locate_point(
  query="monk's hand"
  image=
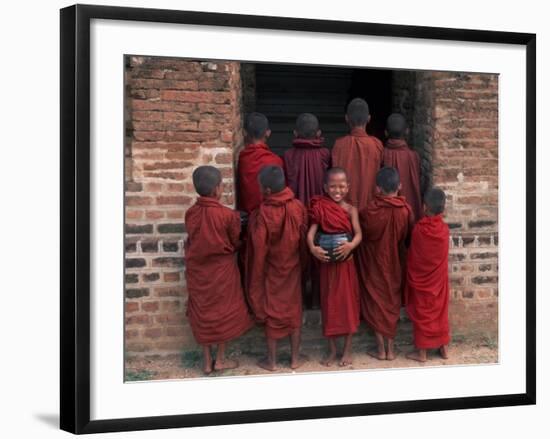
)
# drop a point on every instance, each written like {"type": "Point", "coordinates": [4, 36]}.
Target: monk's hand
{"type": "Point", "coordinates": [320, 253]}
{"type": "Point", "coordinates": [343, 250]}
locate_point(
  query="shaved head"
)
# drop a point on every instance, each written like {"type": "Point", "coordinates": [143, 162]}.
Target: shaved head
{"type": "Point", "coordinates": [307, 126]}
{"type": "Point", "coordinates": [434, 199]}
{"type": "Point", "coordinates": [396, 126]}
{"type": "Point", "coordinates": [358, 112]}
{"type": "Point", "coordinates": [335, 171]}
{"type": "Point", "coordinates": [206, 179]}
{"type": "Point", "coordinates": [256, 125]}
{"type": "Point", "coordinates": [273, 178]}
{"type": "Point", "coordinates": [387, 180]}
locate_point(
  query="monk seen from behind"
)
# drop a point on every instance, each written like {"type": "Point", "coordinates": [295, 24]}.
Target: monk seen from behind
{"type": "Point", "coordinates": [386, 223]}
{"type": "Point", "coordinates": [359, 154]}
{"type": "Point", "coordinates": [275, 254]}
{"type": "Point", "coordinates": [255, 155]}
{"type": "Point", "coordinates": [427, 283]}
{"type": "Point", "coordinates": [333, 235]}
{"type": "Point", "coordinates": [398, 155]}
{"type": "Point", "coordinates": [216, 307]}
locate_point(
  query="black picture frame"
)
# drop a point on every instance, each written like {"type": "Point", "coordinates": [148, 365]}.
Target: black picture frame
{"type": "Point", "coordinates": [75, 217]}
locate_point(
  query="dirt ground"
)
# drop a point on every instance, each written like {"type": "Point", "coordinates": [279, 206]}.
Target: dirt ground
{"type": "Point", "coordinates": [189, 364]}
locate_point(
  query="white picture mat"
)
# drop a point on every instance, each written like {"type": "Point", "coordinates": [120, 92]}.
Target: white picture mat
{"type": "Point", "coordinates": [111, 398]}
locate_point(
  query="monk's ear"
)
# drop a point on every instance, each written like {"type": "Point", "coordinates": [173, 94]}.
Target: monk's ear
{"type": "Point", "coordinates": [347, 119]}
{"type": "Point", "coordinates": [267, 134]}
{"type": "Point", "coordinates": [318, 134]}
{"type": "Point", "coordinates": [295, 133]}
{"type": "Point", "coordinates": [386, 133]}
{"type": "Point", "coordinates": [368, 120]}
{"type": "Point", "coordinates": [399, 187]}
{"type": "Point", "coordinates": [407, 132]}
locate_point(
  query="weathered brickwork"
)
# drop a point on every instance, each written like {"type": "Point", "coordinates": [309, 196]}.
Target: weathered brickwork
{"type": "Point", "coordinates": [179, 114]}
{"type": "Point", "coordinates": [454, 120]}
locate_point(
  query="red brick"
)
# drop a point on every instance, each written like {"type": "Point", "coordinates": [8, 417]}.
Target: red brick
{"type": "Point", "coordinates": [224, 158]}
{"type": "Point", "coordinates": [171, 277]}
{"type": "Point", "coordinates": [138, 201]}
{"type": "Point", "coordinates": [131, 307]}
{"type": "Point", "coordinates": [134, 214]}
{"type": "Point", "coordinates": [174, 200]}
{"type": "Point", "coordinates": [153, 332]}
{"type": "Point", "coordinates": [149, 306]}
{"type": "Point", "coordinates": [176, 214]}
{"type": "Point", "coordinates": [155, 214]}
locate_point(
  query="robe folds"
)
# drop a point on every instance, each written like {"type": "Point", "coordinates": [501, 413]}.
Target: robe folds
{"type": "Point", "coordinates": [276, 251]}
{"type": "Point", "coordinates": [427, 283]}
{"type": "Point", "coordinates": [398, 155]}
{"type": "Point", "coordinates": [251, 160]}
{"type": "Point", "coordinates": [385, 224]}
{"type": "Point", "coordinates": [216, 307]}
{"type": "Point", "coordinates": [339, 289]}
{"type": "Point", "coordinates": [305, 165]}
{"type": "Point", "coordinates": [361, 156]}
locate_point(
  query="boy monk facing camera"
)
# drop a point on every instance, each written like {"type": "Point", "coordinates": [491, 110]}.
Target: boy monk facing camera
{"type": "Point", "coordinates": [331, 215]}
{"type": "Point", "coordinates": [275, 254]}
{"type": "Point", "coordinates": [427, 285]}
{"type": "Point", "coordinates": [359, 154]}
{"type": "Point", "coordinates": [386, 223]}
{"type": "Point", "coordinates": [216, 306]}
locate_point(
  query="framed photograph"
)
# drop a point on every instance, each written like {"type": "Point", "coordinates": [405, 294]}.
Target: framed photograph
{"type": "Point", "coordinates": [213, 164]}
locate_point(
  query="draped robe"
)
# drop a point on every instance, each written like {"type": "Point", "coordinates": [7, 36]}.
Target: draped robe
{"type": "Point", "coordinates": [339, 289]}
{"type": "Point", "coordinates": [385, 224]}
{"type": "Point", "coordinates": [398, 155]}
{"type": "Point", "coordinates": [216, 306]}
{"type": "Point", "coordinates": [361, 156]}
{"type": "Point", "coordinates": [276, 251]}
{"type": "Point", "coordinates": [427, 283]}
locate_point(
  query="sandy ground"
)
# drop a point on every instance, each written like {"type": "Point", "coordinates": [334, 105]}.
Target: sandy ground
{"type": "Point", "coordinates": [189, 364]}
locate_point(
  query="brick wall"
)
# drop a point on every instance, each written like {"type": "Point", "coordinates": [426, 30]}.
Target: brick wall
{"type": "Point", "coordinates": [454, 120]}
{"type": "Point", "coordinates": [179, 114]}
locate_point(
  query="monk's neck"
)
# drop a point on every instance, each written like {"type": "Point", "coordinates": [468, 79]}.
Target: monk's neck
{"type": "Point", "coordinates": [256, 143]}
{"type": "Point", "coordinates": [359, 131]}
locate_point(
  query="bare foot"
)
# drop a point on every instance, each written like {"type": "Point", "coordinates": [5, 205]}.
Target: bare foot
{"type": "Point", "coordinates": [226, 364]}
{"type": "Point", "coordinates": [377, 353]}
{"type": "Point", "coordinates": [295, 363]}
{"type": "Point", "coordinates": [443, 351]}
{"type": "Point", "coordinates": [390, 356]}
{"type": "Point", "coordinates": [417, 356]}
{"type": "Point", "coordinates": [345, 360]}
{"type": "Point", "coordinates": [329, 360]}
{"type": "Point", "coordinates": [207, 369]}
{"type": "Point", "coordinates": [267, 365]}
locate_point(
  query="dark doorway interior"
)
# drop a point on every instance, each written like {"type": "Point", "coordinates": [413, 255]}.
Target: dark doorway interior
{"type": "Point", "coordinates": [282, 92]}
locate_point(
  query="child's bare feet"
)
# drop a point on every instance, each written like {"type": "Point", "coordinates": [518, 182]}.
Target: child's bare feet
{"type": "Point", "coordinates": [225, 364]}
{"type": "Point", "coordinates": [418, 355]}
{"type": "Point", "coordinates": [330, 359]}
{"type": "Point", "coordinates": [390, 352]}
{"type": "Point", "coordinates": [378, 353]}
{"type": "Point", "coordinates": [443, 351]}
{"type": "Point", "coordinates": [346, 360]}
{"type": "Point", "coordinates": [207, 369]}
{"type": "Point", "coordinates": [295, 363]}
{"type": "Point", "coordinates": [267, 365]}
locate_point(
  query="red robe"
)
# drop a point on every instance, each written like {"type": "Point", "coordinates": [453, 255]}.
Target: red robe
{"type": "Point", "coordinates": [251, 160]}
{"type": "Point", "coordinates": [216, 306]}
{"type": "Point", "coordinates": [385, 224]}
{"type": "Point", "coordinates": [361, 156]}
{"type": "Point", "coordinates": [305, 166]}
{"type": "Point", "coordinates": [398, 155]}
{"type": "Point", "coordinates": [275, 254]}
{"type": "Point", "coordinates": [427, 284]}
{"type": "Point", "coordinates": [339, 286]}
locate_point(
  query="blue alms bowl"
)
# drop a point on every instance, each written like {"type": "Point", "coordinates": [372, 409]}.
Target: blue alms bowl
{"type": "Point", "coordinates": [330, 241]}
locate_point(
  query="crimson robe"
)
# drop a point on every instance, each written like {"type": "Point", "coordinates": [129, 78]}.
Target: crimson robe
{"type": "Point", "coordinates": [427, 283]}
{"type": "Point", "coordinates": [398, 155]}
{"type": "Point", "coordinates": [338, 280]}
{"type": "Point", "coordinates": [216, 306]}
{"type": "Point", "coordinates": [385, 224]}
{"type": "Point", "coordinates": [251, 160]}
{"type": "Point", "coordinates": [305, 166]}
{"type": "Point", "coordinates": [275, 253]}
{"type": "Point", "coordinates": [361, 156]}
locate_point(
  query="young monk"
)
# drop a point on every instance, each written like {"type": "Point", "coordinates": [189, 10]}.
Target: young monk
{"type": "Point", "coordinates": [398, 155]}
{"type": "Point", "coordinates": [307, 161]}
{"type": "Point", "coordinates": [275, 253]}
{"type": "Point", "coordinates": [305, 164]}
{"type": "Point", "coordinates": [252, 158]}
{"type": "Point", "coordinates": [216, 306]}
{"type": "Point", "coordinates": [331, 214]}
{"type": "Point", "coordinates": [385, 223]}
{"type": "Point", "coordinates": [427, 285]}
{"type": "Point", "coordinates": [359, 154]}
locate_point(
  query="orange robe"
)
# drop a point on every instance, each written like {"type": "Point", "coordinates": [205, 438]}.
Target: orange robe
{"type": "Point", "coordinates": [398, 155]}
{"type": "Point", "coordinates": [251, 160]}
{"type": "Point", "coordinates": [338, 280]}
{"type": "Point", "coordinates": [385, 224]}
{"type": "Point", "coordinates": [276, 250]}
{"type": "Point", "coordinates": [427, 283]}
{"type": "Point", "coordinates": [361, 156]}
{"type": "Point", "coordinates": [216, 306]}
